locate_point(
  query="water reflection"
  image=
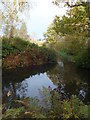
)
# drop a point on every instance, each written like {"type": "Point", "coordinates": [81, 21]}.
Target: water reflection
{"type": "Point", "coordinates": [34, 84]}
{"type": "Point", "coordinates": [64, 78]}
{"type": "Point", "coordinates": [20, 81]}
{"type": "Point", "coordinates": [70, 80]}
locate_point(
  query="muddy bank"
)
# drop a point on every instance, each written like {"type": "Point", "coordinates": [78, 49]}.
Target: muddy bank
{"type": "Point", "coordinates": [23, 60]}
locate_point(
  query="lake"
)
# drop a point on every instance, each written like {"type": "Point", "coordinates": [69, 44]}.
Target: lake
{"type": "Point", "coordinates": [28, 81]}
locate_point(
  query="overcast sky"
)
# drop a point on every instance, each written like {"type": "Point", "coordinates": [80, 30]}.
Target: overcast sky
{"type": "Point", "coordinates": [41, 15]}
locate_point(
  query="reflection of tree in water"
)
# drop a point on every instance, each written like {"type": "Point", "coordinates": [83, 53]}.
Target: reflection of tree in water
{"type": "Point", "coordinates": [68, 77]}
{"type": "Point", "coordinates": [13, 84]}
{"type": "Point", "coordinates": [22, 89]}
{"type": "Point", "coordinates": [10, 93]}
{"type": "Point", "coordinates": [20, 74]}
{"type": "Point", "coordinates": [11, 88]}
{"type": "Point", "coordinates": [14, 93]}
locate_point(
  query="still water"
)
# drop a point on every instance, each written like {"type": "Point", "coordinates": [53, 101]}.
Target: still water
{"type": "Point", "coordinates": [28, 81]}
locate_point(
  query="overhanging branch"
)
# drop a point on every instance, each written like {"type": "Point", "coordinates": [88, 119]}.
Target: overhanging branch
{"type": "Point", "coordinates": [75, 5]}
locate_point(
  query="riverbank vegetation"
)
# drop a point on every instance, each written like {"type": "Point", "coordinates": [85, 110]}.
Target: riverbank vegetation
{"type": "Point", "coordinates": [69, 35]}
{"type": "Point", "coordinates": [16, 52]}
{"type": "Point", "coordinates": [71, 108]}
{"type": "Point", "coordinates": [66, 38]}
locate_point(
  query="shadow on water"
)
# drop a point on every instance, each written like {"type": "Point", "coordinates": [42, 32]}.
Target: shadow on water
{"type": "Point", "coordinates": [67, 78]}
{"type": "Point", "coordinates": [13, 79]}
{"type": "Point", "coordinates": [73, 80]}
{"type": "Point", "coordinates": [19, 74]}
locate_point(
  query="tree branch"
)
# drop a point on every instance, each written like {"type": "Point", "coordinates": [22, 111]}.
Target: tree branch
{"type": "Point", "coordinates": [76, 5]}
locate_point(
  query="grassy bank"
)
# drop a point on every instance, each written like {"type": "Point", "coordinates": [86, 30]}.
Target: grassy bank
{"type": "Point", "coordinates": [17, 52]}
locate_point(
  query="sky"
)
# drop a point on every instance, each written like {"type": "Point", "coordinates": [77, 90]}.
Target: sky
{"type": "Point", "coordinates": [41, 16]}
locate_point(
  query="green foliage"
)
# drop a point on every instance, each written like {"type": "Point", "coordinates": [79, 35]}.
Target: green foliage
{"type": "Point", "coordinates": [46, 97]}
{"type": "Point", "coordinates": [14, 46]}
{"type": "Point", "coordinates": [26, 53]}
{"type": "Point", "coordinates": [69, 35]}
{"type": "Point", "coordinates": [49, 54]}
{"type": "Point", "coordinates": [14, 113]}
{"type": "Point", "coordinates": [51, 106]}
{"type": "Point", "coordinates": [50, 35]}
{"type": "Point", "coordinates": [83, 58]}
{"type": "Point", "coordinates": [64, 108]}
{"type": "Point", "coordinates": [26, 108]}
{"type": "Point", "coordinates": [64, 55]}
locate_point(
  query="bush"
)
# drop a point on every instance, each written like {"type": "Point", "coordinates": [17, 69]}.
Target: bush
{"type": "Point", "coordinates": [14, 113]}
{"type": "Point", "coordinates": [15, 45]}
{"type": "Point", "coordinates": [83, 58]}
{"type": "Point", "coordinates": [53, 107]}
{"type": "Point", "coordinates": [49, 54]}
{"type": "Point", "coordinates": [25, 53]}
{"type": "Point", "coordinates": [72, 108]}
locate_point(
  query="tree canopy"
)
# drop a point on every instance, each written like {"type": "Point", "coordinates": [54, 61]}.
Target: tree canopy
{"type": "Point", "coordinates": [11, 11]}
{"type": "Point", "coordinates": [71, 31]}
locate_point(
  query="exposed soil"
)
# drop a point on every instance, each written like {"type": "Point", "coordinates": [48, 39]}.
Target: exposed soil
{"type": "Point", "coordinates": [22, 60]}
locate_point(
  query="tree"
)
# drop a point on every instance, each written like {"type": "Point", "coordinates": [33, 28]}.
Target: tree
{"type": "Point", "coordinates": [22, 31]}
{"type": "Point", "coordinates": [11, 11]}
{"type": "Point", "coordinates": [69, 3]}
{"type": "Point", "coordinates": [75, 28]}
{"type": "Point", "coordinates": [75, 23]}
{"type": "Point", "coordinates": [51, 35]}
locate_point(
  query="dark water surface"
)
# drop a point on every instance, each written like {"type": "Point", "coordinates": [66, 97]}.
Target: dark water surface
{"type": "Point", "coordinates": [26, 82]}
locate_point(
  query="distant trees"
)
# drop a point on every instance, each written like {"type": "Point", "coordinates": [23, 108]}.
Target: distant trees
{"type": "Point", "coordinates": [22, 32]}
{"type": "Point", "coordinates": [11, 11]}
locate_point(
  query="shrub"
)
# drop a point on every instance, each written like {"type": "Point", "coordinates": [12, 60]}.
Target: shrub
{"type": "Point", "coordinates": [72, 108]}
{"type": "Point", "coordinates": [49, 54]}
{"type": "Point", "coordinates": [26, 53]}
{"type": "Point", "coordinates": [53, 107]}
{"type": "Point", "coordinates": [15, 45]}
{"type": "Point", "coordinates": [83, 58]}
{"type": "Point", "coordinates": [14, 113]}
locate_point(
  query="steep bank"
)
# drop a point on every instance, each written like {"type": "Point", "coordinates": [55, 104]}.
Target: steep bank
{"type": "Point", "coordinates": [20, 53]}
